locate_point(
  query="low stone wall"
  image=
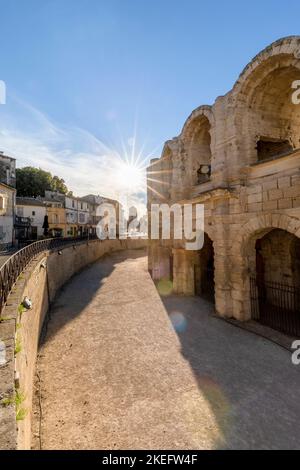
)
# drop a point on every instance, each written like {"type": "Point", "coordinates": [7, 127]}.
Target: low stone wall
{"type": "Point", "coordinates": [20, 330]}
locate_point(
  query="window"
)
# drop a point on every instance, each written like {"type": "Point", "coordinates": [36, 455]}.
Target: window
{"type": "Point", "coordinates": [203, 173]}
{"type": "Point", "coordinates": [272, 148]}
{"type": "Point", "coordinates": [33, 212]}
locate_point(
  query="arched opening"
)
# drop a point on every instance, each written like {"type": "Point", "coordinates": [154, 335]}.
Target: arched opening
{"type": "Point", "coordinates": [199, 150]}
{"type": "Point", "coordinates": [275, 280]}
{"type": "Point", "coordinates": [272, 123]}
{"type": "Point", "coordinates": [204, 271]}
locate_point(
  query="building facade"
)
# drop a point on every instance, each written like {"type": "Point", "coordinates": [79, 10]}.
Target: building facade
{"type": "Point", "coordinates": [7, 205]}
{"type": "Point", "coordinates": [7, 170]}
{"type": "Point", "coordinates": [56, 217]}
{"type": "Point", "coordinates": [67, 215]}
{"type": "Point", "coordinates": [240, 158]}
{"type": "Point", "coordinates": [30, 217]}
{"type": "Point", "coordinates": [7, 200]}
{"type": "Point", "coordinates": [94, 202]}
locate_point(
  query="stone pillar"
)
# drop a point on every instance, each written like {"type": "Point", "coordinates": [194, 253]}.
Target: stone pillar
{"type": "Point", "coordinates": [223, 300]}
{"type": "Point", "coordinates": [160, 262]}
{"type": "Point", "coordinates": [183, 271]}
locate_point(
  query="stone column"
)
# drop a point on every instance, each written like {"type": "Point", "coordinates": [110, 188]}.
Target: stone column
{"type": "Point", "coordinates": [160, 262]}
{"type": "Point", "coordinates": [183, 271]}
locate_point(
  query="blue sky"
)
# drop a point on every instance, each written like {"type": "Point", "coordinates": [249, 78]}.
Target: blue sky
{"type": "Point", "coordinates": [82, 75]}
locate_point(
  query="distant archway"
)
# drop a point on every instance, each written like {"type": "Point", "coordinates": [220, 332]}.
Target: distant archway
{"type": "Point", "coordinates": [204, 271]}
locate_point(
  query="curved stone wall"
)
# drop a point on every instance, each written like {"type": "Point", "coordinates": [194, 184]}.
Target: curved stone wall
{"type": "Point", "coordinates": [20, 330]}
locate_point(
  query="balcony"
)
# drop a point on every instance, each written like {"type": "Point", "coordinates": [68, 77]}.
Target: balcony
{"type": "Point", "coordinates": [22, 221]}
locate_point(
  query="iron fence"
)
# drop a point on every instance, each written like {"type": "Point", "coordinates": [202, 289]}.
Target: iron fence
{"type": "Point", "coordinates": [276, 305]}
{"type": "Point", "coordinates": [15, 265]}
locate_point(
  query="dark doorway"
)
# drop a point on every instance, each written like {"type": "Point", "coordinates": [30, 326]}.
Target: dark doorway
{"type": "Point", "coordinates": [204, 271]}
{"type": "Point", "coordinates": [275, 288]}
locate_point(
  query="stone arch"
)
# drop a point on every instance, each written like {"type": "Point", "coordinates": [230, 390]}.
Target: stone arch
{"type": "Point", "coordinates": [243, 252]}
{"type": "Point", "coordinates": [266, 222]}
{"type": "Point", "coordinates": [203, 110]}
{"type": "Point", "coordinates": [266, 120]}
{"type": "Point", "coordinates": [198, 139]}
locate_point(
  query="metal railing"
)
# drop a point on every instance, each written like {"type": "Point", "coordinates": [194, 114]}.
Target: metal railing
{"type": "Point", "coordinates": [276, 305]}
{"type": "Point", "coordinates": [22, 221]}
{"type": "Point", "coordinates": [15, 265]}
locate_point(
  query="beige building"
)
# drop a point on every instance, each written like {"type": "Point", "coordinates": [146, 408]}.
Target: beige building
{"type": "Point", "coordinates": [73, 220]}
{"type": "Point", "coordinates": [56, 214]}
{"type": "Point", "coordinates": [94, 202]}
{"type": "Point", "coordinates": [240, 157]}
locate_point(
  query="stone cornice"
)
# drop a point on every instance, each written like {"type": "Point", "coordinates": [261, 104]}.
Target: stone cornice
{"type": "Point", "coordinates": [212, 195]}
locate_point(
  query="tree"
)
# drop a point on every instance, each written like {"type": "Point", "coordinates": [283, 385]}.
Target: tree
{"type": "Point", "coordinates": [33, 182]}
{"type": "Point", "coordinates": [59, 185]}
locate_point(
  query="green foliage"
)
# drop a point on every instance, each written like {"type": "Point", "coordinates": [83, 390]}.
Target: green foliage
{"type": "Point", "coordinates": [18, 346]}
{"type": "Point", "coordinates": [17, 399]}
{"type": "Point", "coordinates": [21, 414]}
{"type": "Point", "coordinates": [8, 401]}
{"type": "Point", "coordinates": [4, 318]}
{"type": "Point", "coordinates": [59, 185]}
{"type": "Point", "coordinates": [33, 182]}
{"type": "Point", "coordinates": [21, 309]}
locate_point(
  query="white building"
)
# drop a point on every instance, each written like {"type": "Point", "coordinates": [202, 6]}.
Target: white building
{"type": "Point", "coordinates": [7, 200]}
{"type": "Point", "coordinates": [7, 203]}
{"type": "Point", "coordinates": [30, 216]}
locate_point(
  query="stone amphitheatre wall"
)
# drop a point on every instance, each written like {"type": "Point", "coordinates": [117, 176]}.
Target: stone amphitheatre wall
{"type": "Point", "coordinates": [20, 329]}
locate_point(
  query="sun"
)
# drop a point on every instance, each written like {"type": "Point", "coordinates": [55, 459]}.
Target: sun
{"type": "Point", "coordinates": [129, 176]}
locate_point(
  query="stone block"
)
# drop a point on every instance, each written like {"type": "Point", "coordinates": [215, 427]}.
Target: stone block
{"type": "Point", "coordinates": [270, 205]}
{"type": "Point", "coordinates": [285, 203]}
{"type": "Point", "coordinates": [275, 194]}
{"type": "Point", "coordinates": [255, 207]}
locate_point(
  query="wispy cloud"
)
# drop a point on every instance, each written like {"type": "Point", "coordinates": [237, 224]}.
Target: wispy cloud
{"type": "Point", "coordinates": [83, 161]}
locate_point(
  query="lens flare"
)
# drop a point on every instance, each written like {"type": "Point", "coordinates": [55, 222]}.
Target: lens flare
{"type": "Point", "coordinates": [165, 287]}
{"type": "Point", "coordinates": [129, 176]}
{"type": "Point", "coordinates": [178, 321]}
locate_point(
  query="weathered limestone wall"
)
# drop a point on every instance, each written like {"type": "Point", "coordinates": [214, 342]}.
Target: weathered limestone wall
{"type": "Point", "coordinates": [21, 330]}
{"type": "Point", "coordinates": [245, 196]}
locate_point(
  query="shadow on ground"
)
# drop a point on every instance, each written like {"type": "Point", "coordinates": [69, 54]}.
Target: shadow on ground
{"type": "Point", "coordinates": [80, 291]}
{"type": "Point", "coordinates": [114, 374]}
{"type": "Point", "coordinates": [251, 384]}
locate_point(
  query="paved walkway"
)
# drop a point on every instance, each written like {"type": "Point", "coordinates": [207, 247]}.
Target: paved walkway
{"type": "Point", "coordinates": [114, 374]}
